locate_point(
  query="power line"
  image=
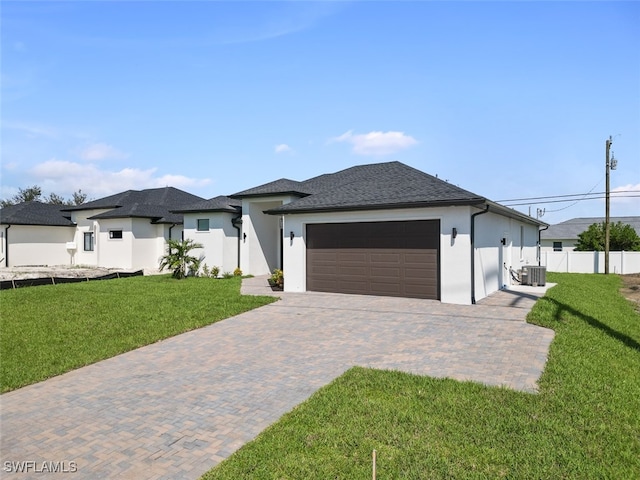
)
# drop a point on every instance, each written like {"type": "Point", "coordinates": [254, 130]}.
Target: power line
{"type": "Point", "coordinates": [594, 196]}
{"type": "Point", "coordinates": [567, 197]}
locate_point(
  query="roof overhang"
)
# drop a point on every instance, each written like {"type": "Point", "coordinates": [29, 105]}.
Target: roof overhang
{"type": "Point", "coordinates": [270, 194]}
{"type": "Point", "coordinates": [511, 213]}
{"type": "Point", "coordinates": [386, 206]}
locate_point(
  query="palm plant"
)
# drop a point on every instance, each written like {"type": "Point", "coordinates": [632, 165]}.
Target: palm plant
{"type": "Point", "coordinates": [178, 260]}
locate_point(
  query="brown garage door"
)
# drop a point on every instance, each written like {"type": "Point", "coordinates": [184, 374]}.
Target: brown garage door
{"type": "Point", "coordinates": [399, 259]}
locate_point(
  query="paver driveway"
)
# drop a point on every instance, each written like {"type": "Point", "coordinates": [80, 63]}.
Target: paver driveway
{"type": "Point", "coordinates": [176, 408]}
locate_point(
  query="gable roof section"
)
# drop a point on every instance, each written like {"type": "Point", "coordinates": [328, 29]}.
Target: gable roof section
{"type": "Point", "coordinates": [220, 203]}
{"type": "Point", "coordinates": [570, 229]}
{"type": "Point", "coordinates": [377, 186]}
{"type": "Point", "coordinates": [283, 186]}
{"type": "Point", "coordinates": [35, 213]}
{"type": "Point", "coordinates": [157, 204]}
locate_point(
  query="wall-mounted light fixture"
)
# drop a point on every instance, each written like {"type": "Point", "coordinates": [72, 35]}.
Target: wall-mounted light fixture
{"type": "Point", "coordinates": [454, 232]}
{"type": "Point", "coordinates": [503, 241]}
{"type": "Point", "coordinates": [244, 236]}
{"type": "Point", "coordinates": [292, 235]}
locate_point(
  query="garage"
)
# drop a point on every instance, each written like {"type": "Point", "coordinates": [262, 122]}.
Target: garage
{"type": "Point", "coordinates": [399, 259]}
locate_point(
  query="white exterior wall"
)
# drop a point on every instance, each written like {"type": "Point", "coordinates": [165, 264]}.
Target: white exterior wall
{"type": "Point", "coordinates": [260, 250]}
{"type": "Point", "coordinates": [84, 225]}
{"type": "Point", "coordinates": [37, 245]}
{"type": "Point", "coordinates": [493, 259]}
{"type": "Point", "coordinates": [115, 252]}
{"type": "Point", "coordinates": [567, 244]}
{"type": "Point", "coordinates": [148, 243]}
{"type": "Point", "coordinates": [220, 242]}
{"type": "Point", "coordinates": [455, 257]}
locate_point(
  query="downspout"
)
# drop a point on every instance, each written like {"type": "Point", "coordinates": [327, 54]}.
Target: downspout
{"type": "Point", "coordinates": [170, 228]}
{"type": "Point", "coordinates": [540, 230]}
{"type": "Point", "coordinates": [473, 254]}
{"type": "Point", "coordinates": [236, 222]}
{"type": "Point", "coordinates": [6, 245]}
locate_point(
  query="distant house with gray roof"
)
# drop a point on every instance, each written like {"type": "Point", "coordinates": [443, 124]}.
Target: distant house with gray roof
{"type": "Point", "coordinates": [128, 230]}
{"type": "Point", "coordinates": [563, 236]}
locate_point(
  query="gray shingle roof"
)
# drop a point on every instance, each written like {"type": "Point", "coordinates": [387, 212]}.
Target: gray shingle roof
{"type": "Point", "coordinates": [220, 203]}
{"type": "Point", "coordinates": [569, 230]}
{"type": "Point", "coordinates": [277, 187]}
{"type": "Point", "coordinates": [35, 213]}
{"type": "Point", "coordinates": [375, 186]}
{"type": "Point", "coordinates": [157, 204]}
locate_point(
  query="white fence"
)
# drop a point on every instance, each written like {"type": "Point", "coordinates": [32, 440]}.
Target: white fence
{"type": "Point", "coordinates": [591, 262]}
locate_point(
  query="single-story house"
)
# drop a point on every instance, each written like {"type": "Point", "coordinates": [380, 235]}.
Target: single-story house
{"type": "Point", "coordinates": [563, 236]}
{"type": "Point", "coordinates": [128, 230]}
{"type": "Point", "coordinates": [379, 229]}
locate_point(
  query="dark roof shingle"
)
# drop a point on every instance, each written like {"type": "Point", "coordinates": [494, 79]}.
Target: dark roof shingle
{"type": "Point", "coordinates": [158, 204]}
{"type": "Point", "coordinates": [220, 203]}
{"type": "Point", "coordinates": [380, 185]}
{"type": "Point", "coordinates": [35, 213]}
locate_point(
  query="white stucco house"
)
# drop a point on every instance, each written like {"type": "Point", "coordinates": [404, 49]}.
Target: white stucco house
{"type": "Point", "coordinates": [563, 237]}
{"type": "Point", "coordinates": [379, 229]}
{"type": "Point", "coordinates": [128, 230]}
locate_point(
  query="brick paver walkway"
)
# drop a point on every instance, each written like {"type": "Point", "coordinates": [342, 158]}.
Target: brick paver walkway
{"type": "Point", "coordinates": [174, 409]}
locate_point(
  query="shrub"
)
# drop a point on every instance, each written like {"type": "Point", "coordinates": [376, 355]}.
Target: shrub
{"type": "Point", "coordinates": [210, 272]}
{"type": "Point", "coordinates": [277, 278]}
{"type": "Point", "coordinates": [178, 258]}
{"type": "Point", "coordinates": [237, 272]}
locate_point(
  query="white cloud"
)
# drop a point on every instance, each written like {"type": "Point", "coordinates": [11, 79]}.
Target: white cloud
{"type": "Point", "coordinates": [101, 151]}
{"type": "Point", "coordinates": [626, 194]}
{"type": "Point", "coordinates": [376, 143]}
{"type": "Point", "coordinates": [283, 148]}
{"type": "Point", "coordinates": [64, 177]}
{"type": "Point", "coordinates": [31, 130]}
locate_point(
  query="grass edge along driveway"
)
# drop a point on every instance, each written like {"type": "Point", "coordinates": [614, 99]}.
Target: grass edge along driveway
{"type": "Point", "coordinates": [52, 329]}
{"type": "Point", "coordinates": [584, 422]}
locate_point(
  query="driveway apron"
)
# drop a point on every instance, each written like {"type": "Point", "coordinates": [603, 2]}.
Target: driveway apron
{"type": "Point", "coordinates": [174, 409]}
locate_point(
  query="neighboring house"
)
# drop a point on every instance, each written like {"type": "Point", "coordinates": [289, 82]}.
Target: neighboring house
{"type": "Point", "coordinates": [35, 233]}
{"type": "Point", "coordinates": [563, 236]}
{"type": "Point", "coordinates": [380, 229]}
{"type": "Point", "coordinates": [216, 224]}
{"type": "Point", "coordinates": [128, 230]}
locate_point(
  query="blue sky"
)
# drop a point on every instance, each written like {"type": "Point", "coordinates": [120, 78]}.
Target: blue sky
{"type": "Point", "coordinates": [505, 99]}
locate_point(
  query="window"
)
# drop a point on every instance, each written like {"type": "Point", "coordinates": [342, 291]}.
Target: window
{"type": "Point", "coordinates": [203, 225]}
{"type": "Point", "coordinates": [521, 241]}
{"type": "Point", "coordinates": [88, 241]}
{"type": "Point", "coordinates": [115, 233]}
{"type": "Point", "coordinates": [557, 246]}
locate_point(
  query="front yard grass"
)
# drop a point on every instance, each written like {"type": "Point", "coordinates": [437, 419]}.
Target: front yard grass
{"type": "Point", "coordinates": [583, 423]}
{"type": "Point", "coordinates": [49, 330]}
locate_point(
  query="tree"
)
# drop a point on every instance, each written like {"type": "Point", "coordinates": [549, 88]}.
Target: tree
{"type": "Point", "coordinates": [621, 237]}
{"type": "Point", "coordinates": [34, 193]}
{"type": "Point", "coordinates": [55, 199]}
{"type": "Point", "coordinates": [29, 194]}
{"type": "Point", "coordinates": [78, 197]}
{"type": "Point", "coordinates": [179, 261]}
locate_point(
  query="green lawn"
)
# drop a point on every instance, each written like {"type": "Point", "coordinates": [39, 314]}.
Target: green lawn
{"type": "Point", "coordinates": [584, 423]}
{"type": "Point", "coordinates": [49, 330]}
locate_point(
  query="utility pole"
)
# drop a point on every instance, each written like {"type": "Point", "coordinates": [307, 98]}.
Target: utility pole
{"type": "Point", "coordinates": [606, 209]}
